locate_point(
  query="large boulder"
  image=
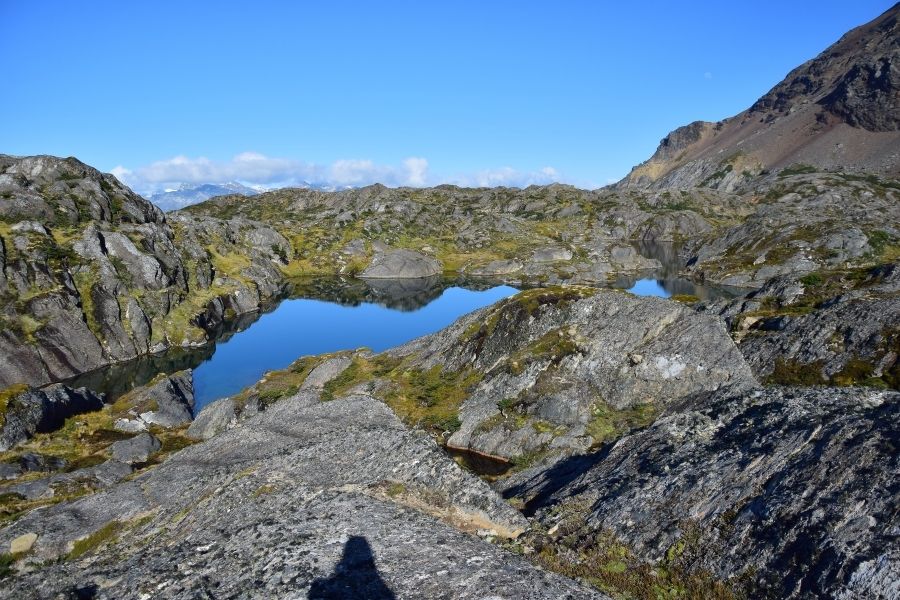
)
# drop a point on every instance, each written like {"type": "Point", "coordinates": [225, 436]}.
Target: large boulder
{"type": "Point", "coordinates": [557, 365]}
{"type": "Point", "coordinates": [135, 450]}
{"type": "Point", "coordinates": [402, 264]}
{"type": "Point", "coordinates": [174, 399]}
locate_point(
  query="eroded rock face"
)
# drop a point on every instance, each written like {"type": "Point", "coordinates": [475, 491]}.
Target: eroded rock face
{"type": "Point", "coordinates": [804, 223]}
{"type": "Point", "coordinates": [553, 360]}
{"type": "Point", "coordinates": [93, 274]}
{"type": "Point", "coordinates": [833, 328]}
{"type": "Point", "coordinates": [41, 411]}
{"type": "Point", "coordinates": [306, 483]}
{"type": "Point", "coordinates": [402, 264]}
{"type": "Point", "coordinates": [792, 489]}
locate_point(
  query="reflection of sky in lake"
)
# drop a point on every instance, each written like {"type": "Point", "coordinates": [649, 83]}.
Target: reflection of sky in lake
{"type": "Point", "coordinates": [649, 287]}
{"type": "Point", "coordinates": [302, 327]}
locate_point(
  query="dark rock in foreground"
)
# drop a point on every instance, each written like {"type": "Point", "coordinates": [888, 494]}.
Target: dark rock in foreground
{"type": "Point", "coordinates": [788, 491]}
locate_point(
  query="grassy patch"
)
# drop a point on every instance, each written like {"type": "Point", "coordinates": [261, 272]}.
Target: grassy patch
{"type": "Point", "coordinates": [104, 535]}
{"type": "Point", "coordinates": [280, 384]}
{"type": "Point", "coordinates": [608, 424]}
{"type": "Point", "coordinates": [603, 561]}
{"type": "Point", "coordinates": [797, 169]}
{"type": "Point", "coordinates": [685, 298]}
{"type": "Point", "coordinates": [526, 304]}
{"type": "Point", "coordinates": [552, 347]}
{"type": "Point", "coordinates": [789, 372]}
{"type": "Point", "coordinates": [262, 490]}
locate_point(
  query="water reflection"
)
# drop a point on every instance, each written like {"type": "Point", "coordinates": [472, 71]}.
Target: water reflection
{"type": "Point", "coordinates": [328, 314]}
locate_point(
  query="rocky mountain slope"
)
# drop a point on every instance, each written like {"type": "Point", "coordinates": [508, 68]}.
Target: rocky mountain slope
{"type": "Point", "coordinates": [541, 233]}
{"type": "Point", "coordinates": [91, 273]}
{"type": "Point", "coordinates": [837, 112]}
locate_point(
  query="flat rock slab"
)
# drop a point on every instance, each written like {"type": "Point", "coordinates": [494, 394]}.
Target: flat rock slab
{"type": "Point", "coordinates": [299, 501]}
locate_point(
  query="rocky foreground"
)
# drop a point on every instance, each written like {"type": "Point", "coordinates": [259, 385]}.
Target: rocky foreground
{"type": "Point", "coordinates": [323, 479]}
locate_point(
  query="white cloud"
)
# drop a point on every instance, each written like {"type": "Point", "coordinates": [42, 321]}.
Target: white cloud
{"type": "Point", "coordinates": [417, 171]}
{"type": "Point", "coordinates": [509, 177]}
{"type": "Point", "coordinates": [121, 172]}
{"type": "Point", "coordinates": [256, 169]}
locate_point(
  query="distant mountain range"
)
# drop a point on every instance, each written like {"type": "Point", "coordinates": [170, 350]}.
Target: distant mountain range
{"type": "Point", "coordinates": [187, 194]}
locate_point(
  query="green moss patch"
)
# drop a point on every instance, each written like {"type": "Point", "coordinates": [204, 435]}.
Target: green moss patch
{"type": "Point", "coordinates": [608, 424]}
{"type": "Point", "coordinates": [600, 559]}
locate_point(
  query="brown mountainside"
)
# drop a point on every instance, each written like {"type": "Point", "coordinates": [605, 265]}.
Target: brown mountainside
{"type": "Point", "coordinates": [839, 111]}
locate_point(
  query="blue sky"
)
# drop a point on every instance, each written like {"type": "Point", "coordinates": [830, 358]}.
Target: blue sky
{"type": "Point", "coordinates": [400, 92]}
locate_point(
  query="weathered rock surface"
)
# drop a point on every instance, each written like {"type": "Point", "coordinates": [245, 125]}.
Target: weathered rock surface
{"type": "Point", "coordinates": [135, 450]}
{"type": "Point", "coordinates": [213, 419]}
{"type": "Point", "coordinates": [167, 401]}
{"type": "Point", "coordinates": [803, 223]}
{"type": "Point", "coordinates": [173, 398]}
{"type": "Point", "coordinates": [316, 496]}
{"type": "Point", "coordinates": [41, 411]}
{"type": "Point", "coordinates": [498, 267]}
{"type": "Point", "coordinates": [789, 491]}
{"type": "Point", "coordinates": [93, 274]}
{"type": "Point", "coordinates": [839, 328]}
{"type": "Point", "coordinates": [551, 255]}
{"type": "Point", "coordinates": [552, 361]}
{"type": "Point", "coordinates": [325, 372]}
{"type": "Point", "coordinates": [402, 264]}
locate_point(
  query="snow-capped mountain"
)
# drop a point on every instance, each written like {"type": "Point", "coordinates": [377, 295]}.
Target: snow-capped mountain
{"type": "Point", "coordinates": [187, 194]}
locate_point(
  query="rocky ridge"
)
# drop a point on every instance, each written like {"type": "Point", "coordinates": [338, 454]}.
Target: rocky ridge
{"type": "Point", "coordinates": [92, 274]}
{"type": "Point", "coordinates": [838, 112]}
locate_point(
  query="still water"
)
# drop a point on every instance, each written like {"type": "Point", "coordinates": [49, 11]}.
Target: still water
{"type": "Point", "coordinates": [327, 315]}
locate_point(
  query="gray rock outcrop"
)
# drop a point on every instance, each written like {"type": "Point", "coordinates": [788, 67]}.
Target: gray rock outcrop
{"type": "Point", "coordinates": [553, 361]}
{"type": "Point", "coordinates": [42, 410]}
{"type": "Point", "coordinates": [135, 450]}
{"type": "Point", "coordinates": [402, 264]}
{"type": "Point", "coordinates": [213, 419]}
{"type": "Point", "coordinates": [789, 490]}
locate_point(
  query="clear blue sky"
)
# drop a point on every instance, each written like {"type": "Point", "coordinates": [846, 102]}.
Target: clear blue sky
{"type": "Point", "coordinates": [587, 88]}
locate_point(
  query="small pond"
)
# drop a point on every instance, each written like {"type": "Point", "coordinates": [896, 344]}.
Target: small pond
{"type": "Point", "coordinates": [331, 314]}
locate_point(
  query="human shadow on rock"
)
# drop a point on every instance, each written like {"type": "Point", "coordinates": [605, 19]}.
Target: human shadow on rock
{"type": "Point", "coordinates": [355, 576]}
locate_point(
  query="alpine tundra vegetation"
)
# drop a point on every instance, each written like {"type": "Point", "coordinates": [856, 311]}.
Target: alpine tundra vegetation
{"type": "Point", "coordinates": [738, 439]}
